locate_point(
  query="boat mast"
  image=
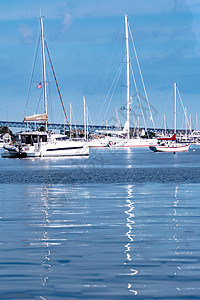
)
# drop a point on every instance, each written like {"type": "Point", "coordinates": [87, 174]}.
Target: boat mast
{"type": "Point", "coordinates": [127, 77]}
{"type": "Point", "coordinates": [84, 117]}
{"type": "Point", "coordinates": [185, 122]}
{"type": "Point", "coordinates": [87, 131]}
{"type": "Point", "coordinates": [165, 125]}
{"type": "Point", "coordinates": [70, 120]}
{"type": "Point", "coordinates": [175, 107]}
{"type": "Point", "coordinates": [44, 68]}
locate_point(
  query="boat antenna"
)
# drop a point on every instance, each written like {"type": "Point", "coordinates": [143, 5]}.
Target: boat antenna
{"type": "Point", "coordinates": [63, 107]}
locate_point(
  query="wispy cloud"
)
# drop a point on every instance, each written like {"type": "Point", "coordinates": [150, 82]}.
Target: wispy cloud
{"type": "Point", "coordinates": [66, 22]}
{"type": "Point", "coordinates": [26, 34]}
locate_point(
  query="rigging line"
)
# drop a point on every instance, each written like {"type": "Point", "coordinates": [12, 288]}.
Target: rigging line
{"type": "Point", "coordinates": [118, 72]}
{"type": "Point", "coordinates": [48, 84]}
{"type": "Point", "coordinates": [31, 77]}
{"type": "Point", "coordinates": [50, 99]}
{"type": "Point", "coordinates": [136, 125]}
{"type": "Point", "coordinates": [138, 98]}
{"type": "Point", "coordinates": [63, 107]}
{"type": "Point", "coordinates": [117, 79]}
{"type": "Point", "coordinates": [109, 66]}
{"type": "Point", "coordinates": [151, 116]}
{"type": "Point", "coordinates": [164, 123]}
{"type": "Point", "coordinates": [183, 122]}
{"type": "Point", "coordinates": [91, 123]}
{"type": "Point", "coordinates": [117, 118]}
{"type": "Point", "coordinates": [40, 97]}
{"type": "Point", "coordinates": [184, 111]}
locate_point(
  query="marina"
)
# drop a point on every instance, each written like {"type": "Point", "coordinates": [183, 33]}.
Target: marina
{"type": "Point", "coordinates": [100, 159]}
{"type": "Point", "coordinates": [51, 144]}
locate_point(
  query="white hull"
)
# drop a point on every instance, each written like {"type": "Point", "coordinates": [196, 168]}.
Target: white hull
{"type": "Point", "coordinates": [171, 148]}
{"type": "Point", "coordinates": [48, 149]}
{"type": "Point", "coordinates": [67, 148]}
{"type": "Point", "coordinates": [98, 143]}
{"type": "Point", "coordinates": [135, 142]}
{"type": "Point", "coordinates": [140, 142]}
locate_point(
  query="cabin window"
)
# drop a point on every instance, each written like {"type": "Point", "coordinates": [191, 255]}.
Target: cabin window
{"type": "Point", "coordinates": [43, 138]}
{"type": "Point", "coordinates": [23, 140]}
{"type": "Point", "coordinates": [61, 138]}
{"type": "Point", "coordinates": [28, 139]}
{"type": "Point", "coordinates": [34, 138]}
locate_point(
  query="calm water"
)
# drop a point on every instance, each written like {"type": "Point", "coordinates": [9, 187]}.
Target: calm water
{"type": "Point", "coordinates": [123, 224]}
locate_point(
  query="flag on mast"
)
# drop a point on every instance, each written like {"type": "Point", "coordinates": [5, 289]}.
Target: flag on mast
{"type": "Point", "coordinates": [39, 86]}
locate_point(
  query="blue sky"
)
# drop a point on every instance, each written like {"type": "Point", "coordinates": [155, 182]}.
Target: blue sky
{"type": "Point", "coordinates": [85, 39]}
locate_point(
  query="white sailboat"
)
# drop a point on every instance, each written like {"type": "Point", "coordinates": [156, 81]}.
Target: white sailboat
{"type": "Point", "coordinates": [126, 141]}
{"type": "Point", "coordinates": [97, 141]}
{"type": "Point", "coordinates": [44, 144]}
{"type": "Point", "coordinates": [170, 144]}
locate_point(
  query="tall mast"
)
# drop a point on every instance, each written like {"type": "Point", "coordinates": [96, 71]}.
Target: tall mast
{"type": "Point", "coordinates": [84, 117]}
{"type": "Point", "coordinates": [87, 132]}
{"type": "Point", "coordinates": [185, 122]}
{"type": "Point", "coordinates": [44, 68]}
{"type": "Point", "coordinates": [70, 120]}
{"type": "Point", "coordinates": [175, 107]}
{"type": "Point", "coordinates": [127, 77]}
{"type": "Point", "coordinates": [196, 121]}
{"type": "Point", "coordinates": [165, 125]}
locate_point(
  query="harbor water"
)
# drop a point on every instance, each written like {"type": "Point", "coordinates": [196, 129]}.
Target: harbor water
{"type": "Point", "coordinates": [121, 224]}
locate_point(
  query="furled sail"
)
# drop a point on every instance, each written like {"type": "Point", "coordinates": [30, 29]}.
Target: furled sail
{"type": "Point", "coordinates": [36, 118]}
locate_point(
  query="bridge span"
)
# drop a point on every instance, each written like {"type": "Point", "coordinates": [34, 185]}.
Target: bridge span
{"type": "Point", "coordinates": [61, 127]}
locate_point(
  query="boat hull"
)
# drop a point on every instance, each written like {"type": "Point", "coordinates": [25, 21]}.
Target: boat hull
{"type": "Point", "coordinates": [131, 143]}
{"type": "Point", "coordinates": [69, 149]}
{"type": "Point", "coordinates": [98, 143]}
{"type": "Point", "coordinates": [75, 150]}
{"type": "Point", "coordinates": [178, 148]}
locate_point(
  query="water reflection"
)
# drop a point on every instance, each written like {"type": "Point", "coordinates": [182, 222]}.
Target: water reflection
{"type": "Point", "coordinates": [45, 239]}
{"type": "Point", "coordinates": [46, 211]}
{"type": "Point", "coordinates": [130, 222]}
{"type": "Point", "coordinates": [175, 233]}
{"type": "Point", "coordinates": [129, 157]}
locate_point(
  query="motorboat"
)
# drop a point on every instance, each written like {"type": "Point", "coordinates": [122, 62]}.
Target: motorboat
{"type": "Point", "coordinates": [44, 144]}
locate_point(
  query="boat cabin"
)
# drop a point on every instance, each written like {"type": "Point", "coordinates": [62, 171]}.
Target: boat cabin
{"type": "Point", "coordinates": [31, 138]}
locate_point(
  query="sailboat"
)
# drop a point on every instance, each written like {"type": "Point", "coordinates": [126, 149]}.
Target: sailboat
{"type": "Point", "coordinates": [127, 141]}
{"type": "Point", "coordinates": [44, 143]}
{"type": "Point", "coordinates": [170, 144]}
{"type": "Point", "coordinates": [96, 141]}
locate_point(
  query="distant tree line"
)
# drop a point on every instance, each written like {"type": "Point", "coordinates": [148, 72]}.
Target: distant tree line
{"type": "Point", "coordinates": [5, 129]}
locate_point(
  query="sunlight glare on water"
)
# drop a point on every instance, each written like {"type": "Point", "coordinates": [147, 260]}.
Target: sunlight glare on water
{"type": "Point", "coordinates": [119, 225]}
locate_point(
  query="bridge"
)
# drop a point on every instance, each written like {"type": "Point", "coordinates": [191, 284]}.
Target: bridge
{"type": "Point", "coordinates": [53, 126]}
{"type": "Point", "coordinates": [62, 127]}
